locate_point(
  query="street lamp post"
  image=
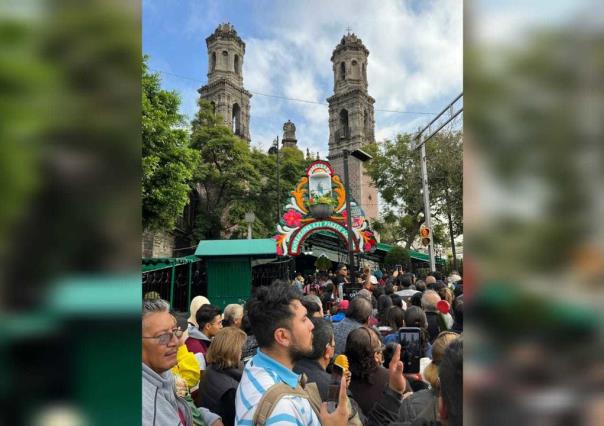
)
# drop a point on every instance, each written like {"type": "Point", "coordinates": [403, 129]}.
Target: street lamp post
{"type": "Point", "coordinates": [250, 218]}
{"type": "Point", "coordinates": [274, 149]}
{"type": "Point", "coordinates": [362, 156]}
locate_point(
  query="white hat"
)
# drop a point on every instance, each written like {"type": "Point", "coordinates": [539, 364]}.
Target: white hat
{"type": "Point", "coordinates": [453, 278]}
{"type": "Point", "coordinates": [373, 279]}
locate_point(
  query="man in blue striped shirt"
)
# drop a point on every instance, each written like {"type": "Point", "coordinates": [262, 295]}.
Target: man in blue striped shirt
{"type": "Point", "coordinates": [284, 335]}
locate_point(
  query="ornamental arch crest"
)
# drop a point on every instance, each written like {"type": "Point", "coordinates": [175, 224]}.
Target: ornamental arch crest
{"type": "Point", "coordinates": [318, 203]}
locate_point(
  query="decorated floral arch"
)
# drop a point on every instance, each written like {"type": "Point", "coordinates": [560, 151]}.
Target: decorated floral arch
{"type": "Point", "coordinates": [319, 203]}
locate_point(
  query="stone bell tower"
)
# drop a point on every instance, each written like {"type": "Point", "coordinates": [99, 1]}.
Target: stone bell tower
{"type": "Point", "coordinates": [289, 135]}
{"type": "Point", "coordinates": [225, 80]}
{"type": "Point", "coordinates": [351, 118]}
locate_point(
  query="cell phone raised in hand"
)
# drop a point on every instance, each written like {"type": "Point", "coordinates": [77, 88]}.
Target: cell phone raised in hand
{"type": "Point", "coordinates": [410, 339]}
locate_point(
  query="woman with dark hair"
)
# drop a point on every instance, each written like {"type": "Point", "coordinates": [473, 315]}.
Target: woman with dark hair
{"type": "Point", "coordinates": [384, 303]}
{"type": "Point", "coordinates": [458, 314]}
{"type": "Point", "coordinates": [395, 319]}
{"type": "Point", "coordinates": [416, 317]}
{"type": "Point", "coordinates": [398, 301]}
{"type": "Point", "coordinates": [364, 350]}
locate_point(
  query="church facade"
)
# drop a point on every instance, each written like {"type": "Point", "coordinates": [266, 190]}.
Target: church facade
{"type": "Point", "coordinates": [351, 112]}
{"type": "Point", "coordinates": [351, 118]}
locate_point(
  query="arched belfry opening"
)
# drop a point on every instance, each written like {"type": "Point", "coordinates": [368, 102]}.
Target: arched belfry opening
{"type": "Point", "coordinates": [344, 129]}
{"type": "Point", "coordinates": [236, 65]}
{"type": "Point", "coordinates": [236, 120]}
{"type": "Point", "coordinates": [213, 104]}
{"type": "Point", "coordinates": [351, 116]}
{"type": "Point", "coordinates": [226, 53]}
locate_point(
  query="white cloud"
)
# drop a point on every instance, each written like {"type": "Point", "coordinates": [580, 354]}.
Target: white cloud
{"type": "Point", "coordinates": [415, 60]}
{"type": "Point", "coordinates": [505, 23]}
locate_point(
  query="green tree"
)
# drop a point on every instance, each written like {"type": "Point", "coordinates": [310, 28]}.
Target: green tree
{"type": "Point", "coordinates": [225, 177]}
{"type": "Point", "coordinates": [397, 256]}
{"type": "Point", "coordinates": [167, 161]}
{"type": "Point", "coordinates": [395, 169]}
{"type": "Point", "coordinates": [292, 165]}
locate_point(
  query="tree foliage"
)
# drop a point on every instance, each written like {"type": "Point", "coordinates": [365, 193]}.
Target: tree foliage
{"type": "Point", "coordinates": [395, 169]}
{"type": "Point", "coordinates": [225, 176]}
{"type": "Point", "coordinates": [233, 178]}
{"type": "Point", "coordinates": [167, 159]}
{"type": "Point", "coordinates": [397, 256]}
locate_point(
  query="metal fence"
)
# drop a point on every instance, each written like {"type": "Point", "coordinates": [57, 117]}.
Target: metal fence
{"type": "Point", "coordinates": [177, 283]}
{"type": "Point", "coordinates": [267, 273]}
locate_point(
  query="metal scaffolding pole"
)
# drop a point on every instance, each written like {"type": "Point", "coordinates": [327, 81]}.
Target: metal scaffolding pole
{"type": "Point", "coordinates": [427, 213]}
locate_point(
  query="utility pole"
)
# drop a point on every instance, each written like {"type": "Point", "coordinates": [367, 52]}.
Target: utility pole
{"type": "Point", "coordinates": [443, 118]}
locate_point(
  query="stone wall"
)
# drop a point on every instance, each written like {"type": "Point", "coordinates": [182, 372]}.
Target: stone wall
{"type": "Point", "coordinates": [157, 244]}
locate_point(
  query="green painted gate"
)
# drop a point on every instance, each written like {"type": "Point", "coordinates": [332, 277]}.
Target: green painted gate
{"type": "Point", "coordinates": [229, 279]}
{"type": "Point", "coordinates": [229, 267]}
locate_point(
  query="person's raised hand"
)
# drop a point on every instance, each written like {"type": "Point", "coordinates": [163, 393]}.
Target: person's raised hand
{"type": "Point", "coordinates": [396, 380]}
{"type": "Point", "coordinates": [340, 416]}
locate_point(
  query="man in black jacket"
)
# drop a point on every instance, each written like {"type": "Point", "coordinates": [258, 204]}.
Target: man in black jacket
{"type": "Point", "coordinates": [323, 348]}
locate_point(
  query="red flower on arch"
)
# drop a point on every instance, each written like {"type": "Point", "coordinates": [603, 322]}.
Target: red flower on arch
{"type": "Point", "coordinates": [292, 218]}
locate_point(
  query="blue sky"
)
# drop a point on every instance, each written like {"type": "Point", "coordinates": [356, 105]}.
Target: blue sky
{"type": "Point", "coordinates": [414, 65]}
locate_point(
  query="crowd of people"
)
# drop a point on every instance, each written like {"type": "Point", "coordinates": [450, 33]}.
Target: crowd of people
{"type": "Point", "coordinates": [272, 360]}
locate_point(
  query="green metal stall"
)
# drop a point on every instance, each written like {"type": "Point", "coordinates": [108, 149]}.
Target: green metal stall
{"type": "Point", "coordinates": [229, 267]}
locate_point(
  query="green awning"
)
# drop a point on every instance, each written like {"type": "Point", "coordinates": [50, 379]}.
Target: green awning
{"type": "Point", "coordinates": [417, 255]}
{"type": "Point", "coordinates": [254, 247]}
{"type": "Point", "coordinates": [97, 296]}
{"type": "Point", "coordinates": [155, 263]}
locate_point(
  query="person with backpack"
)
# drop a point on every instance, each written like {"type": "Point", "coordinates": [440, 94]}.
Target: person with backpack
{"type": "Point", "coordinates": [269, 390]}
